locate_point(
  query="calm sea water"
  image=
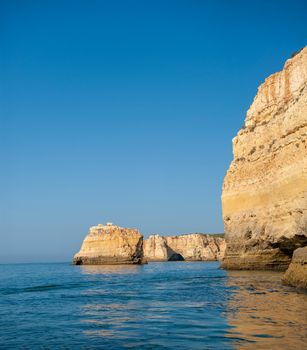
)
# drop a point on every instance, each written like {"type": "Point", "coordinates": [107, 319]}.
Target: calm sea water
{"type": "Point", "coordinates": [173, 305]}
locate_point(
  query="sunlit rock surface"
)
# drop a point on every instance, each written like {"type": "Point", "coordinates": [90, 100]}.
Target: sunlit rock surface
{"type": "Point", "coordinates": [296, 275]}
{"type": "Point", "coordinates": [264, 195]}
{"type": "Point", "coordinates": [188, 247]}
{"type": "Point", "coordinates": [110, 244]}
{"type": "Point", "coordinates": [156, 249]}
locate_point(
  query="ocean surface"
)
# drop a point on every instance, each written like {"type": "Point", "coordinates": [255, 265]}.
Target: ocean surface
{"type": "Point", "coordinates": [174, 305]}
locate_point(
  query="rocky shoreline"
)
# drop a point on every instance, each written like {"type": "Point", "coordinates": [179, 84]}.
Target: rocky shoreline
{"type": "Point", "coordinates": [264, 196]}
{"type": "Point", "coordinates": [111, 244]}
{"type": "Point", "coordinates": [187, 247]}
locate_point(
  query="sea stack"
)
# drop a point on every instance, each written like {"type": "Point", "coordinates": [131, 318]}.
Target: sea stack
{"type": "Point", "coordinates": [264, 196]}
{"type": "Point", "coordinates": [187, 247]}
{"type": "Point", "coordinates": [110, 244]}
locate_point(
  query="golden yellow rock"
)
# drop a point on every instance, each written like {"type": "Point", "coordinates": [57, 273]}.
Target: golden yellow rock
{"type": "Point", "coordinates": [296, 275]}
{"type": "Point", "coordinates": [110, 244]}
{"type": "Point", "coordinates": [156, 249]}
{"type": "Point", "coordinates": [264, 196]}
{"type": "Point", "coordinates": [188, 247]}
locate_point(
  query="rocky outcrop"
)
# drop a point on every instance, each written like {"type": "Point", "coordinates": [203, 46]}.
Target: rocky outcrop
{"type": "Point", "coordinates": [264, 195]}
{"type": "Point", "coordinates": [189, 247]}
{"type": "Point", "coordinates": [156, 249]}
{"type": "Point", "coordinates": [110, 244]}
{"type": "Point", "coordinates": [296, 275]}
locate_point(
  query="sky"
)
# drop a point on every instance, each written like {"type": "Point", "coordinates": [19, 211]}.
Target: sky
{"type": "Point", "coordinates": [124, 111]}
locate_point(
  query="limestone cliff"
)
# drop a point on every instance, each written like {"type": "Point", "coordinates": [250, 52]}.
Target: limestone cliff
{"type": "Point", "coordinates": [264, 196]}
{"type": "Point", "coordinates": [296, 275]}
{"type": "Point", "coordinates": [156, 249]}
{"type": "Point", "coordinates": [110, 244]}
{"type": "Point", "coordinates": [189, 247]}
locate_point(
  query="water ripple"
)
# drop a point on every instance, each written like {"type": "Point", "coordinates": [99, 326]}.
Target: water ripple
{"type": "Point", "coordinates": [157, 306]}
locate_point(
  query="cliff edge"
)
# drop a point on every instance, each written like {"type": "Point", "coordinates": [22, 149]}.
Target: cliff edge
{"type": "Point", "coordinates": [110, 244]}
{"type": "Point", "coordinates": [264, 197]}
{"type": "Point", "coordinates": [188, 247]}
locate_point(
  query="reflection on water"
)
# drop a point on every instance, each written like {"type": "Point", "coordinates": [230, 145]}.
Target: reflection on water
{"type": "Point", "coordinates": [109, 269]}
{"type": "Point", "coordinates": [181, 305]}
{"type": "Point", "coordinates": [166, 306]}
{"type": "Point", "coordinates": [111, 321]}
{"type": "Point", "coordinates": [265, 314]}
{"type": "Point", "coordinates": [175, 305]}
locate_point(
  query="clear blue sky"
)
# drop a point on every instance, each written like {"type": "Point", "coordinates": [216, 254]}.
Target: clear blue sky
{"type": "Point", "coordinates": [124, 111]}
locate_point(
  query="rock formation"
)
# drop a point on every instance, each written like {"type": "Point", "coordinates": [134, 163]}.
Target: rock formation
{"type": "Point", "coordinates": [264, 195]}
{"type": "Point", "coordinates": [110, 244]}
{"type": "Point", "coordinates": [189, 247]}
{"type": "Point", "coordinates": [296, 275]}
{"type": "Point", "coordinates": [156, 249]}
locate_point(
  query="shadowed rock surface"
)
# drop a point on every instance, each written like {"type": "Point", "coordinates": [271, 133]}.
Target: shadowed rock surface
{"type": "Point", "coordinates": [110, 244]}
{"type": "Point", "coordinates": [188, 247]}
{"type": "Point", "coordinates": [296, 275]}
{"type": "Point", "coordinates": [264, 195]}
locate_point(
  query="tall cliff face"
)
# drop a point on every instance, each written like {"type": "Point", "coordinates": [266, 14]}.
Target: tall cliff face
{"type": "Point", "coordinates": [110, 244]}
{"type": "Point", "coordinates": [189, 247]}
{"type": "Point", "coordinates": [264, 196]}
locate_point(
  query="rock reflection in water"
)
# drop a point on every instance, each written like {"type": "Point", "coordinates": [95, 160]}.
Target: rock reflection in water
{"type": "Point", "coordinates": [165, 306]}
{"type": "Point", "coordinates": [264, 314]}
{"type": "Point", "coordinates": [110, 269]}
{"type": "Point", "coordinates": [189, 306]}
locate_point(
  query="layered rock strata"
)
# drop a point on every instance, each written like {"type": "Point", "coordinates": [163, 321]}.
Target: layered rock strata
{"type": "Point", "coordinates": [264, 196]}
{"type": "Point", "coordinates": [189, 247]}
{"type": "Point", "coordinates": [296, 275]}
{"type": "Point", "coordinates": [110, 244]}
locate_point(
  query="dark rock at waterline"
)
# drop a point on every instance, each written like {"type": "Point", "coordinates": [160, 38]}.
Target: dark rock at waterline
{"type": "Point", "coordinates": [296, 275]}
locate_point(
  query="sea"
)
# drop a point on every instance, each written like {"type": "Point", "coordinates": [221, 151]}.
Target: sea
{"type": "Point", "coordinates": [171, 305]}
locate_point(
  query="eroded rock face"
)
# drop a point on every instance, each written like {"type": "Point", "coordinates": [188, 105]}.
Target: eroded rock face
{"type": "Point", "coordinates": [189, 247]}
{"type": "Point", "coordinates": [296, 275]}
{"type": "Point", "coordinates": [156, 249]}
{"type": "Point", "coordinates": [264, 195]}
{"type": "Point", "coordinates": [110, 244]}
